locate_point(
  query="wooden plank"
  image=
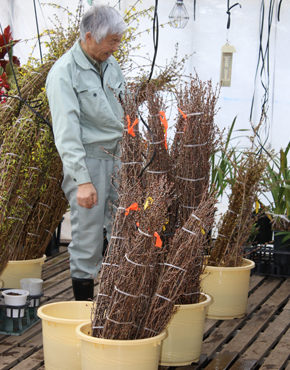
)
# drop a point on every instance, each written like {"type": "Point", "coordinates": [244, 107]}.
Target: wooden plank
{"type": "Point", "coordinates": [279, 356]}
{"type": "Point", "coordinates": [255, 282]}
{"type": "Point", "coordinates": [223, 362]}
{"type": "Point", "coordinates": [60, 267]}
{"type": "Point", "coordinates": [19, 340]}
{"type": "Point", "coordinates": [18, 354]}
{"type": "Point", "coordinates": [56, 280]}
{"type": "Point", "coordinates": [260, 349]}
{"type": "Point", "coordinates": [33, 362]}
{"type": "Point", "coordinates": [209, 326]}
{"type": "Point", "coordinates": [54, 260]}
{"type": "Point", "coordinates": [228, 327]}
{"type": "Point", "coordinates": [242, 340]}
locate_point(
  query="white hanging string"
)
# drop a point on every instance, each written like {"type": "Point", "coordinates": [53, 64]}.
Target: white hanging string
{"type": "Point", "coordinates": [183, 178]}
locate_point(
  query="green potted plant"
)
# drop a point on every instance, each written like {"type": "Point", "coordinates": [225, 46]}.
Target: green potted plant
{"type": "Point", "coordinates": [277, 179]}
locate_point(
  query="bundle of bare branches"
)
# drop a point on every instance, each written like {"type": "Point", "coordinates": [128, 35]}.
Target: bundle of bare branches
{"type": "Point", "coordinates": [139, 265]}
{"type": "Point", "coordinates": [179, 280]}
{"type": "Point", "coordinates": [196, 140]}
{"type": "Point", "coordinates": [31, 200]}
{"type": "Point", "coordinates": [237, 223]}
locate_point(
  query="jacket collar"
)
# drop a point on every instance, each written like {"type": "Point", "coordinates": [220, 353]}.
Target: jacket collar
{"type": "Point", "coordinates": [82, 60]}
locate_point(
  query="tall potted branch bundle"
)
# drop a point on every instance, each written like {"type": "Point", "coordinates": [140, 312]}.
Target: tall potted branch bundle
{"type": "Point", "coordinates": [227, 273]}
{"type": "Point", "coordinates": [31, 199]}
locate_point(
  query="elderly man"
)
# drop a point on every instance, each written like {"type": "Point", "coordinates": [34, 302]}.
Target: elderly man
{"type": "Point", "coordinates": [84, 88]}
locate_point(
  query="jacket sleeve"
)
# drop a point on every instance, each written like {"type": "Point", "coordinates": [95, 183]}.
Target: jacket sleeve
{"type": "Point", "coordinates": [65, 112]}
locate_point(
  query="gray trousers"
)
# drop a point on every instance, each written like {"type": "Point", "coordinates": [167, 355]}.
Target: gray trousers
{"type": "Point", "coordinates": [87, 224]}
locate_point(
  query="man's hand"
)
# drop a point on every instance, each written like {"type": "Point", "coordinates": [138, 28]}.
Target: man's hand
{"type": "Point", "coordinates": [87, 195]}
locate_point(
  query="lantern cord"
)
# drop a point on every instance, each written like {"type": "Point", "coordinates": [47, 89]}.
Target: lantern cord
{"type": "Point", "coordinates": [279, 9]}
{"type": "Point", "coordinates": [264, 72]}
{"type": "Point", "coordinates": [38, 36]}
{"type": "Point", "coordinates": [229, 12]}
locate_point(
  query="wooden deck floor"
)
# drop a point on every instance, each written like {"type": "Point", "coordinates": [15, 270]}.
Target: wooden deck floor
{"type": "Point", "coordinates": [260, 340]}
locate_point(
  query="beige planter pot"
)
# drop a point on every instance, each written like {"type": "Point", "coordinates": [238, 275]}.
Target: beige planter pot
{"type": "Point", "coordinates": [183, 343]}
{"type": "Point", "coordinates": [17, 270]}
{"type": "Point", "coordinates": [60, 344]}
{"type": "Point", "coordinates": [106, 354]}
{"type": "Point", "coordinates": [228, 288]}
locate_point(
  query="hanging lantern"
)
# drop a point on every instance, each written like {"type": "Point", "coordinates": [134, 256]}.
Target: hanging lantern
{"type": "Point", "coordinates": [178, 16]}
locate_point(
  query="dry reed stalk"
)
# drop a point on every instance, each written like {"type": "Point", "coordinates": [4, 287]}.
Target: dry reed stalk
{"type": "Point", "coordinates": [237, 223]}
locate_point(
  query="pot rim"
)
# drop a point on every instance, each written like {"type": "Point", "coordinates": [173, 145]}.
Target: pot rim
{"type": "Point", "coordinates": [205, 303]}
{"type": "Point", "coordinates": [22, 292]}
{"type": "Point", "coordinates": [249, 266]}
{"type": "Point", "coordinates": [117, 342]}
{"type": "Point", "coordinates": [36, 260]}
{"type": "Point", "coordinates": [60, 320]}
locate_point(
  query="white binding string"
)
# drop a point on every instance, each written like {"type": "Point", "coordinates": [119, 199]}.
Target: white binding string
{"type": "Point", "coordinates": [15, 218]}
{"type": "Point", "coordinates": [98, 327]}
{"type": "Point", "coordinates": [194, 145]}
{"type": "Point", "coordinates": [179, 132]}
{"type": "Point", "coordinates": [119, 323]}
{"type": "Point", "coordinates": [110, 264]}
{"type": "Point", "coordinates": [160, 296]}
{"type": "Point", "coordinates": [122, 208]}
{"type": "Point", "coordinates": [104, 295]}
{"type": "Point", "coordinates": [194, 216]}
{"type": "Point", "coordinates": [127, 294]}
{"type": "Point", "coordinates": [23, 201]}
{"type": "Point", "coordinates": [35, 168]}
{"type": "Point", "coordinates": [221, 235]}
{"type": "Point", "coordinates": [49, 232]}
{"type": "Point", "coordinates": [132, 162]}
{"type": "Point", "coordinates": [119, 237]}
{"type": "Point", "coordinates": [158, 171]}
{"type": "Point", "coordinates": [183, 178]}
{"type": "Point", "coordinates": [12, 154]}
{"type": "Point", "coordinates": [194, 114]}
{"type": "Point", "coordinates": [191, 232]}
{"type": "Point", "coordinates": [187, 207]}
{"type": "Point", "coordinates": [150, 236]}
{"type": "Point", "coordinates": [191, 293]}
{"type": "Point", "coordinates": [45, 205]}
{"type": "Point", "coordinates": [153, 331]}
{"type": "Point", "coordinates": [176, 267]}
{"type": "Point", "coordinates": [232, 212]}
{"type": "Point", "coordinates": [133, 263]}
{"type": "Point", "coordinates": [156, 142]}
{"type": "Point", "coordinates": [33, 235]}
{"type": "Point", "coordinates": [53, 178]}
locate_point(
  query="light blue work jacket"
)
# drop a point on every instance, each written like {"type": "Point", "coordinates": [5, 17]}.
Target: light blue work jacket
{"type": "Point", "coordinates": [86, 113]}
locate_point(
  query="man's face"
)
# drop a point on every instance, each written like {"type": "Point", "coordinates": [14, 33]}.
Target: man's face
{"type": "Point", "coordinates": [101, 52]}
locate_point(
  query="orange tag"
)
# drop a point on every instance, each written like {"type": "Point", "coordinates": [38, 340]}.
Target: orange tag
{"type": "Point", "coordinates": [133, 207]}
{"type": "Point", "coordinates": [137, 224]}
{"type": "Point", "coordinates": [165, 124]}
{"type": "Point", "coordinates": [158, 240]}
{"type": "Point", "coordinates": [130, 128]}
{"type": "Point", "coordinates": [182, 113]}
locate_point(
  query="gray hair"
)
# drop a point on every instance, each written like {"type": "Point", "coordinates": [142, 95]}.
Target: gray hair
{"type": "Point", "coordinates": [101, 21]}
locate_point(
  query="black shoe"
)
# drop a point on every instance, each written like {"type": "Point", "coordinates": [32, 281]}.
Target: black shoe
{"type": "Point", "coordinates": [83, 289]}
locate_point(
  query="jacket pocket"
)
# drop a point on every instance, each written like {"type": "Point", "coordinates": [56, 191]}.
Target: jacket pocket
{"type": "Point", "coordinates": [93, 106]}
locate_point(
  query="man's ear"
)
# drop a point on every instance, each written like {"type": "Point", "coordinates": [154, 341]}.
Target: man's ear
{"type": "Point", "coordinates": [88, 37]}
